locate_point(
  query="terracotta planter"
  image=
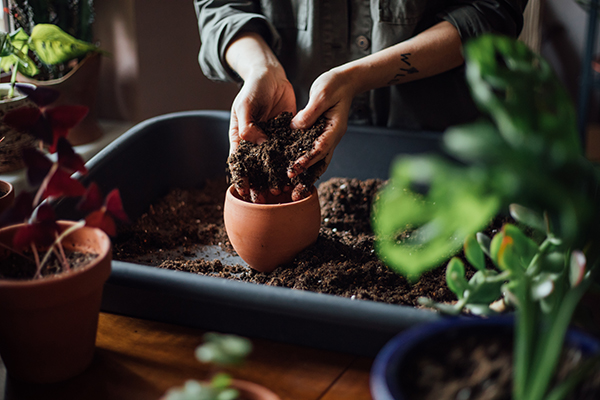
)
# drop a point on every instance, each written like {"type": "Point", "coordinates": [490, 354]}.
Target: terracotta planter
{"type": "Point", "coordinates": [7, 195]}
{"type": "Point", "coordinates": [268, 235]}
{"type": "Point", "coordinates": [14, 141]}
{"type": "Point", "coordinates": [49, 325]}
{"type": "Point", "coordinates": [78, 87]}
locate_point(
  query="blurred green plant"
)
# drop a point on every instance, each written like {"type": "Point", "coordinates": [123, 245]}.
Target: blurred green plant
{"type": "Point", "coordinates": [525, 154]}
{"type": "Point", "coordinates": [76, 17]}
{"type": "Point", "coordinates": [221, 350]}
{"type": "Point", "coordinates": [47, 42]}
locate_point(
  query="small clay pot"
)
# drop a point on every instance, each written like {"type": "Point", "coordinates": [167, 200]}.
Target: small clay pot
{"type": "Point", "coordinates": [49, 325]}
{"type": "Point", "coordinates": [7, 195]}
{"type": "Point", "coordinates": [268, 235]}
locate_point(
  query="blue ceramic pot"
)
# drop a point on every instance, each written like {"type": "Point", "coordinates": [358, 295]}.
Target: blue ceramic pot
{"type": "Point", "coordinates": [389, 361]}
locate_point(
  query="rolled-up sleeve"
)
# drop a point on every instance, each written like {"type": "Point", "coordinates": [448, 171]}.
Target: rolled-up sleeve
{"type": "Point", "coordinates": [475, 17]}
{"type": "Point", "coordinates": [219, 22]}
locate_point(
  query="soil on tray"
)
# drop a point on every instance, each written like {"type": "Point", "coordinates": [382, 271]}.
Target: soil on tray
{"type": "Point", "coordinates": [342, 261]}
{"type": "Point", "coordinates": [478, 368]}
{"type": "Point", "coordinates": [16, 266]}
{"type": "Point", "coordinates": [265, 165]}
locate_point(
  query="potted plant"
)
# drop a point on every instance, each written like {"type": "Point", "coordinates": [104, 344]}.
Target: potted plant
{"type": "Point", "coordinates": [52, 272]}
{"type": "Point", "coordinates": [66, 24]}
{"type": "Point", "coordinates": [527, 154]}
{"type": "Point", "coordinates": [221, 350]}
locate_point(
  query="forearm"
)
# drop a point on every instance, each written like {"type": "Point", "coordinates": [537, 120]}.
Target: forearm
{"type": "Point", "coordinates": [433, 51]}
{"type": "Point", "coordinates": [248, 55]}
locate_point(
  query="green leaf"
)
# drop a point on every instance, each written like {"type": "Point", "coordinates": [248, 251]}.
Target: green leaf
{"type": "Point", "coordinates": [475, 143]}
{"type": "Point", "coordinates": [484, 242]}
{"type": "Point", "coordinates": [495, 245]}
{"type": "Point", "coordinates": [527, 217]}
{"type": "Point", "coordinates": [484, 288]}
{"type": "Point", "coordinates": [524, 248]}
{"type": "Point", "coordinates": [455, 277]}
{"type": "Point", "coordinates": [577, 268]}
{"type": "Point", "coordinates": [221, 381]}
{"type": "Point", "coordinates": [414, 232]}
{"type": "Point", "coordinates": [54, 46]}
{"type": "Point", "coordinates": [474, 253]}
{"type": "Point", "coordinates": [223, 349]}
{"type": "Point", "coordinates": [542, 286]}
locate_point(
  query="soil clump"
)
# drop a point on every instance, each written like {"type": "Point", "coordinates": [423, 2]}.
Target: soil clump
{"type": "Point", "coordinates": [265, 165]}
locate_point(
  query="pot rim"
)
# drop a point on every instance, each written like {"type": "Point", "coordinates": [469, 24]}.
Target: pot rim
{"type": "Point", "coordinates": [235, 199]}
{"type": "Point", "coordinates": [384, 383]}
{"type": "Point", "coordinates": [53, 82]}
{"type": "Point", "coordinates": [19, 95]}
{"type": "Point", "coordinates": [9, 188]}
{"type": "Point", "coordinates": [105, 248]}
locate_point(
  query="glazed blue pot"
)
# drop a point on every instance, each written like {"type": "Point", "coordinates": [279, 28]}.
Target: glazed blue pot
{"type": "Point", "coordinates": [389, 361]}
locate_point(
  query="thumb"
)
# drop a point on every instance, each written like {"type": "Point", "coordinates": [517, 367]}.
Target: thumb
{"type": "Point", "coordinates": [309, 115]}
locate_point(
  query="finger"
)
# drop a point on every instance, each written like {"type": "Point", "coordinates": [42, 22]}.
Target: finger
{"type": "Point", "coordinates": [257, 197]}
{"type": "Point", "coordinates": [234, 136]}
{"type": "Point", "coordinates": [309, 114]}
{"type": "Point", "coordinates": [248, 130]}
{"type": "Point", "coordinates": [300, 192]}
{"type": "Point", "coordinates": [321, 148]}
{"type": "Point", "coordinates": [243, 188]}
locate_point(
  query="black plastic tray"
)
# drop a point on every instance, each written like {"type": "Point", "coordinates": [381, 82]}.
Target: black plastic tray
{"type": "Point", "coordinates": [184, 150]}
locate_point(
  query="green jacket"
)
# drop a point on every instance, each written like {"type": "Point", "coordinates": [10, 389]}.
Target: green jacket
{"type": "Point", "coordinates": [312, 36]}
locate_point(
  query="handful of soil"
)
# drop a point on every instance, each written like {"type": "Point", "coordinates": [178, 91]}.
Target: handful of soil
{"type": "Point", "coordinates": [265, 165]}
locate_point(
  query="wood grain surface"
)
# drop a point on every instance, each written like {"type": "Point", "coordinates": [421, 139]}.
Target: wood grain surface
{"type": "Point", "coordinates": [140, 359]}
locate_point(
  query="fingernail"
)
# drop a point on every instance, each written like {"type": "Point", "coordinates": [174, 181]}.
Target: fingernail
{"type": "Point", "coordinates": [261, 140]}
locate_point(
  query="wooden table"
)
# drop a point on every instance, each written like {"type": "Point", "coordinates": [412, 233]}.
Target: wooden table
{"type": "Point", "coordinates": [140, 359]}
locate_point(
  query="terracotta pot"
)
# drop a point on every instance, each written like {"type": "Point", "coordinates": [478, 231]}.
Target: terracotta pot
{"type": "Point", "coordinates": [268, 235]}
{"type": "Point", "coordinates": [7, 195]}
{"type": "Point", "coordinates": [48, 329]}
{"type": "Point", "coordinates": [253, 391]}
{"type": "Point", "coordinates": [14, 141]}
{"type": "Point", "coordinates": [78, 87]}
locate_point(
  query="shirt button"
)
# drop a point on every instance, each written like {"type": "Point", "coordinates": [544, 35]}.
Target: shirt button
{"type": "Point", "coordinates": [362, 42]}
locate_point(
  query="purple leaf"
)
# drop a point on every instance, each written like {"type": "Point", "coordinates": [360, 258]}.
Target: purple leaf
{"type": "Point", "coordinates": [38, 165]}
{"type": "Point", "coordinates": [61, 184]}
{"type": "Point", "coordinates": [68, 159]}
{"type": "Point", "coordinates": [41, 96]}
{"type": "Point", "coordinates": [92, 200]}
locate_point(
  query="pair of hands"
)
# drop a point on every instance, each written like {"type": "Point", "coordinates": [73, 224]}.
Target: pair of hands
{"type": "Point", "coordinates": [267, 93]}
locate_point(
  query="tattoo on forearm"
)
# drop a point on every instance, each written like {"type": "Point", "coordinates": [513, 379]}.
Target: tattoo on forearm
{"type": "Point", "coordinates": [403, 71]}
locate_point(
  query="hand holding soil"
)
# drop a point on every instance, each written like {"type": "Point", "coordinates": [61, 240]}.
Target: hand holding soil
{"type": "Point", "coordinates": [263, 168]}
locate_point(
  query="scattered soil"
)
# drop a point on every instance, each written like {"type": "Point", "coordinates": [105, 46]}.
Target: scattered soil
{"type": "Point", "coordinates": [265, 165]}
{"type": "Point", "coordinates": [342, 261]}
{"type": "Point", "coordinates": [15, 266]}
{"type": "Point", "coordinates": [477, 367]}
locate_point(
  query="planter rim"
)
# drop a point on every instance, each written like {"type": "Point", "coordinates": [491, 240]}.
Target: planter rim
{"type": "Point", "coordinates": [19, 97]}
{"type": "Point", "coordinates": [105, 245]}
{"type": "Point", "coordinates": [232, 196]}
{"type": "Point", "coordinates": [383, 380]}
{"type": "Point", "coordinates": [52, 82]}
{"type": "Point", "coordinates": [9, 187]}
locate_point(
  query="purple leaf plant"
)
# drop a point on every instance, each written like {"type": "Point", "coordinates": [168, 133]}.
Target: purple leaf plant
{"type": "Point", "coordinates": [53, 179]}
